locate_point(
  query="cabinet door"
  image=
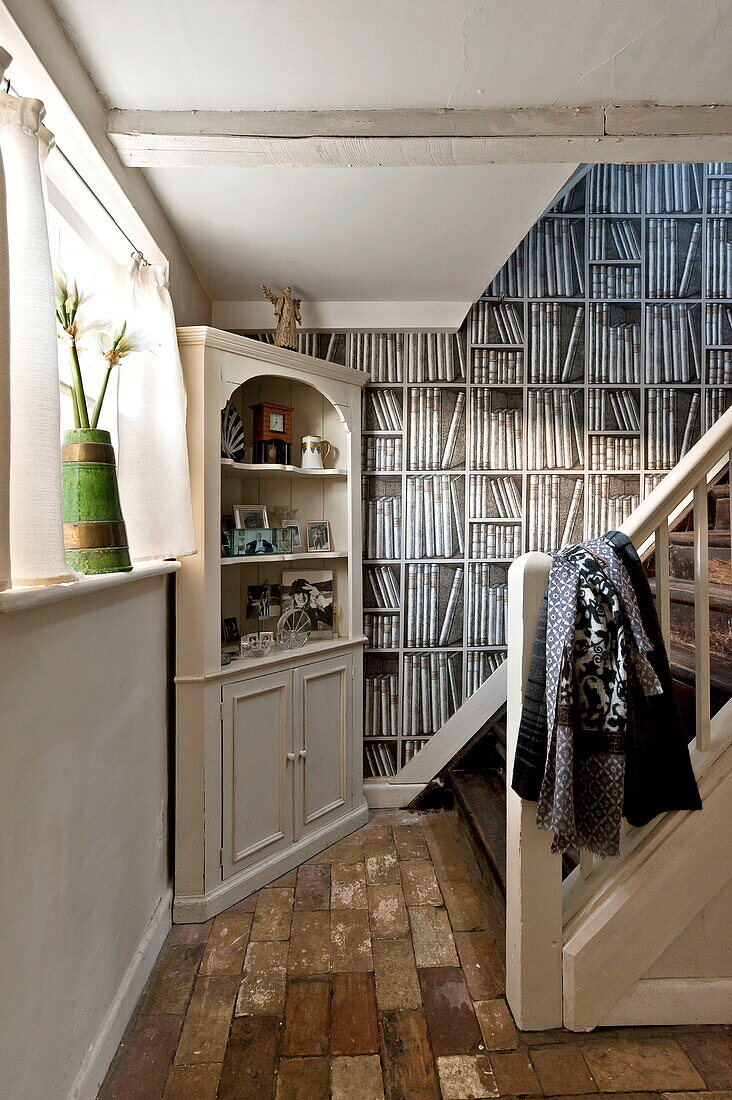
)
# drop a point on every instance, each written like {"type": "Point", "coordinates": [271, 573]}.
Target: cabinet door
{"type": "Point", "coordinates": [322, 702]}
{"type": "Point", "coordinates": [257, 775]}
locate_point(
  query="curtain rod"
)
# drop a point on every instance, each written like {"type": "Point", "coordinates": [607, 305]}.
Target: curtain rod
{"type": "Point", "coordinates": [137, 253]}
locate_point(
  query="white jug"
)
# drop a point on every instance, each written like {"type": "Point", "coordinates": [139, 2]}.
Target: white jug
{"type": "Point", "coordinates": [314, 451]}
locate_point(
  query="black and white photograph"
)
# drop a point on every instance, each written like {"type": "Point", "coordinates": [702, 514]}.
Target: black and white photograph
{"type": "Point", "coordinates": [318, 535]}
{"type": "Point", "coordinates": [310, 591]}
{"type": "Point", "coordinates": [267, 541]}
{"type": "Point", "coordinates": [250, 516]}
{"type": "Point", "coordinates": [296, 533]}
{"type": "Point", "coordinates": [264, 601]}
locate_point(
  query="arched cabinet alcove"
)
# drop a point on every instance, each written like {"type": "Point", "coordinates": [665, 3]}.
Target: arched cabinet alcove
{"type": "Point", "coordinates": [268, 749]}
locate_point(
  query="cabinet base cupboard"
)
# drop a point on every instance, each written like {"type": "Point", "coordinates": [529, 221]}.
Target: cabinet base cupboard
{"type": "Point", "coordinates": [268, 752]}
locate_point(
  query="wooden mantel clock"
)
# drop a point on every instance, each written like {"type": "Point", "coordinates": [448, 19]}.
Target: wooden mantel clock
{"type": "Point", "coordinates": [272, 433]}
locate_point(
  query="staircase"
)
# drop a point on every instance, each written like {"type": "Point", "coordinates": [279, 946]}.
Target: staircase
{"type": "Point", "coordinates": [479, 779]}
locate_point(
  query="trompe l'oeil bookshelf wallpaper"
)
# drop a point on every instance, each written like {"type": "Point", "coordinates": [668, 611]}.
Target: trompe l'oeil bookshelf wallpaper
{"type": "Point", "coordinates": [594, 360]}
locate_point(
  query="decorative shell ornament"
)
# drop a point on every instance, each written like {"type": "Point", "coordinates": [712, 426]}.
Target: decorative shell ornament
{"type": "Point", "coordinates": [232, 433]}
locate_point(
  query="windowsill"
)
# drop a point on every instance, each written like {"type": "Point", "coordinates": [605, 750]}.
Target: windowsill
{"type": "Point", "coordinates": [18, 599]}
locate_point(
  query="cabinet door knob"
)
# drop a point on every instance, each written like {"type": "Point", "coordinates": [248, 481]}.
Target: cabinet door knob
{"type": "Point", "coordinates": [290, 756]}
{"type": "Point", "coordinates": [303, 753]}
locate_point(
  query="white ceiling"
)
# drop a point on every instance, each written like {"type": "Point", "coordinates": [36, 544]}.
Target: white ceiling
{"type": "Point", "coordinates": [329, 54]}
{"type": "Point", "coordinates": [383, 234]}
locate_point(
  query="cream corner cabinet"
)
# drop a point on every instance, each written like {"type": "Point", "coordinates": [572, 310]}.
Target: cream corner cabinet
{"type": "Point", "coordinates": [269, 751]}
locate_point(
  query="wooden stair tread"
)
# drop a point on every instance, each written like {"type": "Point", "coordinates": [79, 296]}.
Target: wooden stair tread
{"type": "Point", "coordinates": [482, 798]}
{"type": "Point", "coordinates": [686, 538]}
{"type": "Point", "coordinates": [681, 659]}
{"type": "Point", "coordinates": [680, 591]}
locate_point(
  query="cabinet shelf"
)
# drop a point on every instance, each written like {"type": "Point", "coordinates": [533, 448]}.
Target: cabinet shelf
{"type": "Point", "coordinates": [231, 468]}
{"type": "Point", "coordinates": [260, 559]}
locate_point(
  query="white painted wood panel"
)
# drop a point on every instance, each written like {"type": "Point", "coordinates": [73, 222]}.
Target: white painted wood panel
{"type": "Point", "coordinates": [322, 712]}
{"type": "Point", "coordinates": [257, 784]}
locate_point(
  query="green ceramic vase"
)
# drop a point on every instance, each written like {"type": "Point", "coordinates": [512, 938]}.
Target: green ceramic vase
{"type": "Point", "coordinates": [95, 536]}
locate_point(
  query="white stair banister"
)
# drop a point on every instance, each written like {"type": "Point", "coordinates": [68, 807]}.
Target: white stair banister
{"type": "Point", "coordinates": [538, 988]}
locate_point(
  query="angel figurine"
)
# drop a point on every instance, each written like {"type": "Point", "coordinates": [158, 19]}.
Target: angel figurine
{"type": "Point", "coordinates": [287, 312]}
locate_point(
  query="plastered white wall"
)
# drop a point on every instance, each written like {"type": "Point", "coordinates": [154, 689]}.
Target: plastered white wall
{"type": "Point", "coordinates": [83, 820]}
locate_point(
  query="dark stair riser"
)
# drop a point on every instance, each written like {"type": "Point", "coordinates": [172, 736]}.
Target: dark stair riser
{"type": "Point", "coordinates": [681, 563]}
{"type": "Point", "coordinates": [719, 511]}
{"type": "Point", "coordinates": [720, 623]}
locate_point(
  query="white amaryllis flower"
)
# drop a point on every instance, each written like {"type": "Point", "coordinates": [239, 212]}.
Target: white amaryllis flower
{"type": "Point", "coordinates": [120, 343]}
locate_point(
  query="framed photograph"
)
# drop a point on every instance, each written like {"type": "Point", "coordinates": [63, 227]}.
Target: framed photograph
{"type": "Point", "coordinates": [290, 525]}
{"type": "Point", "coordinates": [265, 637]}
{"type": "Point", "coordinates": [318, 535]}
{"type": "Point", "coordinates": [283, 540]}
{"type": "Point", "coordinates": [230, 631]}
{"type": "Point", "coordinates": [264, 601]}
{"type": "Point", "coordinates": [258, 540]}
{"type": "Point", "coordinates": [311, 591]}
{"type": "Point", "coordinates": [247, 517]}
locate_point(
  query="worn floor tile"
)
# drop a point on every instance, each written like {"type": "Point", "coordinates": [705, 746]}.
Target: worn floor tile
{"type": "Point", "coordinates": [357, 1078]}
{"type": "Point", "coordinates": [309, 944]}
{"type": "Point", "coordinates": [724, 1094]}
{"type": "Point", "coordinates": [562, 1069]}
{"type": "Point", "coordinates": [496, 1024]}
{"type": "Point", "coordinates": [348, 886]}
{"type": "Point", "coordinates": [189, 1082]}
{"type": "Point", "coordinates": [347, 850]}
{"type": "Point", "coordinates": [419, 882]}
{"type": "Point", "coordinates": [711, 1053]}
{"type": "Point", "coordinates": [482, 965]}
{"type": "Point", "coordinates": [433, 941]}
{"type": "Point", "coordinates": [397, 984]}
{"type": "Point", "coordinates": [227, 944]}
{"type": "Point", "coordinates": [188, 933]}
{"type": "Point", "coordinates": [655, 1065]}
{"type": "Point", "coordinates": [350, 940]}
{"type": "Point", "coordinates": [387, 911]}
{"type": "Point", "coordinates": [206, 1025]}
{"type": "Point", "coordinates": [248, 905]}
{"type": "Point", "coordinates": [142, 1062]}
{"type": "Point", "coordinates": [289, 879]}
{"type": "Point", "coordinates": [171, 982]}
{"type": "Point", "coordinates": [466, 1077]}
{"type": "Point", "coordinates": [250, 1065]}
{"type": "Point", "coordinates": [410, 842]}
{"type": "Point", "coordinates": [307, 1018]}
{"type": "Point", "coordinates": [409, 1068]}
{"type": "Point", "coordinates": [264, 980]}
{"type": "Point", "coordinates": [273, 914]}
{"type": "Point", "coordinates": [514, 1074]}
{"type": "Point", "coordinates": [464, 906]}
{"type": "Point", "coordinates": [354, 1019]}
{"type": "Point", "coordinates": [449, 1011]}
{"type": "Point", "coordinates": [313, 886]}
{"type": "Point", "coordinates": [381, 862]}
{"type": "Point", "coordinates": [374, 831]}
{"type": "Point", "coordinates": [303, 1079]}
{"type": "Point", "coordinates": [445, 853]}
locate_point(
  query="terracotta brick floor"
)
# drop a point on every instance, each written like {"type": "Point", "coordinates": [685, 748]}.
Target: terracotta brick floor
{"type": "Point", "coordinates": [376, 971]}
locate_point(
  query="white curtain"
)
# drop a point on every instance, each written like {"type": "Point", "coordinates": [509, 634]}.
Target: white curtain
{"type": "Point", "coordinates": [36, 532]}
{"type": "Point", "coordinates": [5, 575]}
{"type": "Point", "coordinates": [153, 455]}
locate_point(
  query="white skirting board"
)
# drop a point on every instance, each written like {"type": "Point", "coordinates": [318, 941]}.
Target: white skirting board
{"type": "Point", "coordinates": [654, 1001]}
{"type": "Point", "coordinates": [391, 796]}
{"type": "Point", "coordinates": [104, 1045]}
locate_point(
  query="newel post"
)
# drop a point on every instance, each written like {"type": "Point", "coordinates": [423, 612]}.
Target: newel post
{"type": "Point", "coordinates": [533, 872]}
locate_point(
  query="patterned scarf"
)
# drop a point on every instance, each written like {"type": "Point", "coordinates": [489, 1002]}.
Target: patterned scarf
{"type": "Point", "coordinates": [596, 656]}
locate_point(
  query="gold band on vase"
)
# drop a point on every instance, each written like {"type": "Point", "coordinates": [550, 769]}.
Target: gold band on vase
{"type": "Point", "coordinates": [88, 452]}
{"type": "Point", "coordinates": [95, 534]}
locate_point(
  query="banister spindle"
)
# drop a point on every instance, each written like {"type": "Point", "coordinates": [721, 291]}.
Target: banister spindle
{"type": "Point", "coordinates": [663, 607]}
{"type": "Point", "coordinates": [701, 614]}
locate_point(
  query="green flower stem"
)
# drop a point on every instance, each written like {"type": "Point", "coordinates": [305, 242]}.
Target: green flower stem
{"type": "Point", "coordinates": [83, 415]}
{"type": "Point", "coordinates": [75, 408]}
{"type": "Point", "coordinates": [100, 399]}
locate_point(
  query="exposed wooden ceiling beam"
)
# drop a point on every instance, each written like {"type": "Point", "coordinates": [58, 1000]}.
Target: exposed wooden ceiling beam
{"type": "Point", "coordinates": [421, 137]}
